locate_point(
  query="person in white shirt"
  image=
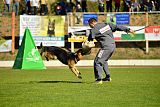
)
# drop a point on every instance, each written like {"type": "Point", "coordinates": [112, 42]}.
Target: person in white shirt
{"type": "Point", "coordinates": [34, 5]}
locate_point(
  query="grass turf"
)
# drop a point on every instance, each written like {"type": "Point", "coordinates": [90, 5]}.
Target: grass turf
{"type": "Point", "coordinates": [58, 87]}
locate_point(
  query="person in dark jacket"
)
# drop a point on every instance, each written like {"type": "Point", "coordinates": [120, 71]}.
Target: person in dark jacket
{"type": "Point", "coordinates": [84, 6]}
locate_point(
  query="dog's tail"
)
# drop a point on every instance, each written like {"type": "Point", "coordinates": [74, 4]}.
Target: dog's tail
{"type": "Point", "coordinates": [41, 45]}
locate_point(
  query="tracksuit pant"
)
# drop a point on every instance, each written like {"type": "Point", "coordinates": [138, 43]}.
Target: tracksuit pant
{"type": "Point", "coordinates": [101, 61]}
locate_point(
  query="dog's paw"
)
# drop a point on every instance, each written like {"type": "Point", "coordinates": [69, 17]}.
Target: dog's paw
{"type": "Point", "coordinates": [79, 77]}
{"type": "Point", "coordinates": [79, 73]}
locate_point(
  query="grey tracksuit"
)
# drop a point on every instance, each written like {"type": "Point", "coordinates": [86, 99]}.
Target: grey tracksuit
{"type": "Point", "coordinates": [103, 33]}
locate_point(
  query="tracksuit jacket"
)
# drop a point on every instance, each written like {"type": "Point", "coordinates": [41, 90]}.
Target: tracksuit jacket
{"type": "Point", "coordinates": [103, 33]}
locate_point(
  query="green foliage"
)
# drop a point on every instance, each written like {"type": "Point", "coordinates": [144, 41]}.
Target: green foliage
{"type": "Point", "coordinates": [58, 87]}
{"type": "Point", "coordinates": [52, 10]}
{"type": "Point", "coordinates": [92, 6]}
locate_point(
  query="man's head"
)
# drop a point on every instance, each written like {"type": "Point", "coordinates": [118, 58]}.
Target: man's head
{"type": "Point", "coordinates": [92, 22]}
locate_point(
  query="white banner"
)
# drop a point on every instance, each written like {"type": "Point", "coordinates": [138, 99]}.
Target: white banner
{"type": "Point", "coordinates": [5, 45]}
{"type": "Point", "coordinates": [118, 33]}
{"type": "Point", "coordinates": [153, 33]}
{"type": "Point", "coordinates": [46, 29]}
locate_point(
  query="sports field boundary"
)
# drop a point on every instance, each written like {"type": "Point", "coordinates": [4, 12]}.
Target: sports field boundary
{"type": "Point", "coordinates": [86, 63]}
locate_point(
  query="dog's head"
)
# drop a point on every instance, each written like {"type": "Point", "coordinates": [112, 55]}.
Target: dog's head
{"type": "Point", "coordinates": [79, 54]}
{"type": "Point", "coordinates": [51, 25]}
{"type": "Point", "coordinates": [45, 53]}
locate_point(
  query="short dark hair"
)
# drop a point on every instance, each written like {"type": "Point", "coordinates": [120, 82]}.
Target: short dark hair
{"type": "Point", "coordinates": [91, 20]}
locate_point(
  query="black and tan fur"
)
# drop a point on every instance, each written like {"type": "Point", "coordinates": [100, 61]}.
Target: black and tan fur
{"type": "Point", "coordinates": [67, 58]}
{"type": "Point", "coordinates": [51, 28]}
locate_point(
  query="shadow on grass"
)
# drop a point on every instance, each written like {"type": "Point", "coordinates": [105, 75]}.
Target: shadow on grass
{"type": "Point", "coordinates": [54, 82]}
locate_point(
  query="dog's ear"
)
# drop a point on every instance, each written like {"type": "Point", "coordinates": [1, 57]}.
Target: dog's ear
{"type": "Point", "coordinates": [79, 51]}
{"type": "Point", "coordinates": [79, 55]}
{"type": "Point", "coordinates": [41, 49]}
{"type": "Point", "coordinates": [41, 45]}
{"type": "Point", "coordinates": [49, 20]}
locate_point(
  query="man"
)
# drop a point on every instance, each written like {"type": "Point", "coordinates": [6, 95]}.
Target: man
{"type": "Point", "coordinates": [44, 8]}
{"type": "Point", "coordinates": [117, 5]}
{"type": "Point", "coordinates": [84, 5]}
{"type": "Point", "coordinates": [101, 5]}
{"type": "Point", "coordinates": [109, 5]}
{"type": "Point", "coordinates": [135, 6]}
{"type": "Point", "coordinates": [34, 5]}
{"type": "Point", "coordinates": [58, 9]}
{"type": "Point", "coordinates": [78, 13]}
{"type": "Point", "coordinates": [157, 4]}
{"type": "Point", "coordinates": [16, 6]}
{"type": "Point", "coordinates": [141, 5]}
{"type": "Point", "coordinates": [103, 33]}
{"type": "Point", "coordinates": [70, 6]}
{"type": "Point", "coordinates": [149, 5]}
{"type": "Point", "coordinates": [28, 6]}
{"type": "Point", "coordinates": [64, 7]}
{"type": "Point", "coordinates": [7, 4]}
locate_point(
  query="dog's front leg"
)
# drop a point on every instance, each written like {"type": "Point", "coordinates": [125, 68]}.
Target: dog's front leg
{"type": "Point", "coordinates": [78, 73]}
{"type": "Point", "coordinates": [75, 72]}
{"type": "Point", "coordinates": [71, 64]}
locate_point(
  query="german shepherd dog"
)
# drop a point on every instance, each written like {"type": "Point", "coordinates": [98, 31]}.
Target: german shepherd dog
{"type": "Point", "coordinates": [66, 57]}
{"type": "Point", "coordinates": [51, 28]}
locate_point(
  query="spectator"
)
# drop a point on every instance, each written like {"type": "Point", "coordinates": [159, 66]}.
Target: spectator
{"type": "Point", "coordinates": [149, 5]}
{"type": "Point", "coordinates": [34, 5]}
{"type": "Point", "coordinates": [101, 5]}
{"type": "Point", "coordinates": [141, 5]}
{"type": "Point", "coordinates": [70, 6]}
{"type": "Point", "coordinates": [125, 5]}
{"type": "Point", "coordinates": [135, 6]}
{"type": "Point", "coordinates": [84, 5]}
{"type": "Point", "coordinates": [28, 6]}
{"type": "Point", "coordinates": [157, 4]}
{"type": "Point", "coordinates": [16, 6]}
{"type": "Point", "coordinates": [79, 9]}
{"type": "Point", "coordinates": [77, 2]}
{"type": "Point", "coordinates": [128, 5]}
{"type": "Point", "coordinates": [58, 9]}
{"type": "Point", "coordinates": [78, 16]}
{"type": "Point", "coordinates": [109, 5]}
{"type": "Point", "coordinates": [7, 4]}
{"type": "Point", "coordinates": [0, 11]}
{"type": "Point", "coordinates": [64, 7]}
{"type": "Point", "coordinates": [117, 5]}
{"type": "Point", "coordinates": [44, 8]}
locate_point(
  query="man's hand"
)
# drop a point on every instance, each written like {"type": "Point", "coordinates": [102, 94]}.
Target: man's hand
{"type": "Point", "coordinates": [131, 31]}
{"type": "Point", "coordinates": [89, 44]}
{"type": "Point", "coordinates": [86, 46]}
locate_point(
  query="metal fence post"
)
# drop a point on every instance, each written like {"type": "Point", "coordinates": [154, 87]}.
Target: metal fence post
{"type": "Point", "coordinates": [13, 32]}
{"type": "Point", "coordinates": [72, 43]}
{"type": "Point", "coordinates": [147, 46]}
{"type": "Point", "coordinates": [147, 42]}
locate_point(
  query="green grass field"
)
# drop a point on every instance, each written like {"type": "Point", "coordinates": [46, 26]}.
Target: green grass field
{"type": "Point", "coordinates": [58, 87]}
